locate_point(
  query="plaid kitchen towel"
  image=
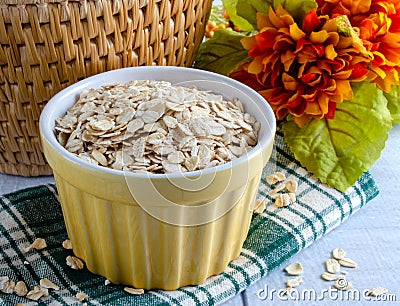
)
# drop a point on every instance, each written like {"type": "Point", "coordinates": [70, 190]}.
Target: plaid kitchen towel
{"type": "Point", "coordinates": [275, 235]}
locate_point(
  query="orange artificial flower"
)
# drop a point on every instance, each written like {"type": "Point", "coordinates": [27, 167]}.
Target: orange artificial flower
{"type": "Point", "coordinates": [378, 24]}
{"type": "Point", "coordinates": [302, 71]}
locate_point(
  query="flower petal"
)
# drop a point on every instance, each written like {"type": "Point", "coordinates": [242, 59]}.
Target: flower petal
{"type": "Point", "coordinates": [319, 37]}
{"type": "Point", "coordinates": [290, 82]}
{"type": "Point", "coordinates": [262, 21]}
{"type": "Point", "coordinates": [295, 32]}
{"type": "Point", "coordinates": [266, 39]}
{"type": "Point", "coordinates": [308, 77]}
{"type": "Point", "coordinates": [330, 114]}
{"type": "Point", "coordinates": [330, 52]}
{"type": "Point", "coordinates": [359, 72]}
{"type": "Point", "coordinates": [249, 42]}
{"type": "Point", "coordinates": [311, 21]}
{"type": "Point", "coordinates": [256, 65]}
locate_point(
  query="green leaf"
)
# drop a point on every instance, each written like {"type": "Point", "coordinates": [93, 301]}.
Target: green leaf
{"type": "Point", "coordinates": [338, 151]}
{"type": "Point", "coordinates": [248, 9]}
{"type": "Point", "coordinates": [243, 12]}
{"type": "Point", "coordinates": [240, 22]}
{"type": "Point", "coordinates": [222, 53]}
{"type": "Point", "coordinates": [297, 8]}
{"type": "Point", "coordinates": [394, 103]}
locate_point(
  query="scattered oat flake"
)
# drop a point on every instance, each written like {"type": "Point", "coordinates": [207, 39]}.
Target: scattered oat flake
{"type": "Point", "coordinates": [38, 244]}
{"type": "Point", "coordinates": [275, 178]}
{"type": "Point", "coordinates": [330, 276]}
{"type": "Point", "coordinates": [287, 290]}
{"type": "Point", "coordinates": [291, 186]}
{"type": "Point", "coordinates": [3, 280]}
{"type": "Point", "coordinates": [107, 282]}
{"type": "Point", "coordinates": [277, 189]}
{"type": "Point", "coordinates": [134, 291]}
{"type": "Point", "coordinates": [283, 200]}
{"type": "Point", "coordinates": [20, 288]}
{"type": "Point", "coordinates": [46, 283]}
{"type": "Point", "coordinates": [294, 269]}
{"type": "Point", "coordinates": [259, 207]}
{"type": "Point", "coordinates": [347, 262]}
{"type": "Point", "coordinates": [26, 262]}
{"type": "Point", "coordinates": [294, 282]}
{"type": "Point", "coordinates": [80, 296]}
{"type": "Point", "coordinates": [338, 253]}
{"type": "Point", "coordinates": [67, 244]}
{"type": "Point", "coordinates": [37, 293]}
{"type": "Point", "coordinates": [377, 291]}
{"type": "Point", "coordinates": [292, 197]}
{"type": "Point", "coordinates": [7, 285]}
{"type": "Point", "coordinates": [74, 262]}
{"type": "Point", "coordinates": [332, 265]}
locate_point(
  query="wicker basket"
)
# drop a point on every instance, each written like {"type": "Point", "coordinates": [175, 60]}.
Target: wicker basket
{"type": "Point", "coordinates": [46, 45]}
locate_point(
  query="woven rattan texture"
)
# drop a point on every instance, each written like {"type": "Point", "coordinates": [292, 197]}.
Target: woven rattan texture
{"type": "Point", "coordinates": [47, 45]}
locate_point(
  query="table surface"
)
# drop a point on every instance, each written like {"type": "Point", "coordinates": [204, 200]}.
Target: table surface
{"type": "Point", "coordinates": [371, 237]}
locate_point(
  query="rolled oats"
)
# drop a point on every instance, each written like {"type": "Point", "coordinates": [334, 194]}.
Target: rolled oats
{"type": "Point", "coordinates": [275, 178]}
{"type": "Point", "coordinates": [80, 296]}
{"type": "Point", "coordinates": [38, 244]}
{"type": "Point", "coordinates": [156, 127]}
{"type": "Point", "coordinates": [259, 207]}
{"type": "Point", "coordinates": [20, 288]}
{"type": "Point", "coordinates": [67, 244]}
{"type": "Point", "coordinates": [283, 200]}
{"type": "Point", "coordinates": [134, 291]}
{"type": "Point", "coordinates": [291, 186]}
{"type": "Point", "coordinates": [37, 293]}
{"type": "Point", "coordinates": [278, 188]}
{"type": "Point", "coordinates": [7, 285]}
{"type": "Point", "coordinates": [347, 262]}
{"type": "Point", "coordinates": [46, 283]}
{"type": "Point", "coordinates": [287, 290]}
{"type": "Point", "coordinates": [294, 282]}
{"type": "Point", "coordinates": [377, 291]}
{"type": "Point", "coordinates": [294, 269]}
{"type": "Point", "coordinates": [330, 276]}
{"type": "Point", "coordinates": [292, 197]}
{"type": "Point", "coordinates": [338, 253]}
{"type": "Point", "coordinates": [74, 262]}
{"type": "Point", "coordinates": [332, 265]}
{"type": "Point", "coordinates": [3, 280]}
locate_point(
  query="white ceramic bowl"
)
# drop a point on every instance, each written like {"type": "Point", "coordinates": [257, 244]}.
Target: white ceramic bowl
{"type": "Point", "coordinates": [158, 230]}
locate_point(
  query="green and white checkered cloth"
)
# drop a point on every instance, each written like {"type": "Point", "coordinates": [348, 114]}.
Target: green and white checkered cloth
{"type": "Point", "coordinates": [274, 237]}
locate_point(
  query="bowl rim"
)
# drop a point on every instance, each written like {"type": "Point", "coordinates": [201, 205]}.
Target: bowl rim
{"type": "Point", "coordinates": [46, 122]}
